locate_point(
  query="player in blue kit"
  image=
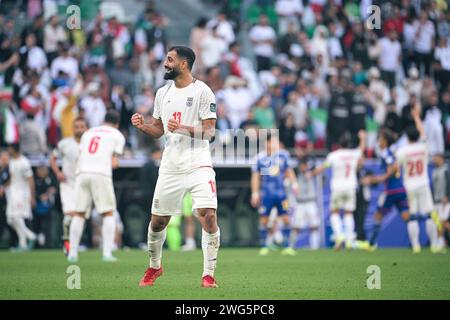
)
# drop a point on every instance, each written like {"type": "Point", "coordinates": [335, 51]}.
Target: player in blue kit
{"type": "Point", "coordinates": [269, 172]}
{"type": "Point", "coordinates": [394, 194]}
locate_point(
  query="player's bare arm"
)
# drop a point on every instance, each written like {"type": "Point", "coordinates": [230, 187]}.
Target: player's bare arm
{"type": "Point", "coordinates": [206, 130]}
{"type": "Point", "coordinates": [55, 168]}
{"type": "Point", "coordinates": [290, 175]}
{"type": "Point", "coordinates": [115, 161]}
{"type": "Point", "coordinates": [255, 186]}
{"type": "Point", "coordinates": [376, 179]}
{"type": "Point", "coordinates": [154, 128]}
{"type": "Point", "coordinates": [415, 112]}
{"type": "Point", "coordinates": [317, 170]}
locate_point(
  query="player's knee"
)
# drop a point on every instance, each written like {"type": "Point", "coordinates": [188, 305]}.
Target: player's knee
{"type": "Point", "coordinates": [79, 214]}
{"type": "Point", "coordinates": [405, 216]}
{"type": "Point", "coordinates": [158, 224]}
{"type": "Point", "coordinates": [107, 214]}
{"type": "Point", "coordinates": [210, 216]}
{"type": "Point", "coordinates": [264, 221]}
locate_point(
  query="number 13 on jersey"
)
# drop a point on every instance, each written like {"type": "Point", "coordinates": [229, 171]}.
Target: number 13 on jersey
{"type": "Point", "coordinates": [177, 116]}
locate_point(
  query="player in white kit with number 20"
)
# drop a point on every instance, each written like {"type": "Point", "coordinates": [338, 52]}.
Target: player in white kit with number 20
{"type": "Point", "coordinates": [185, 112]}
{"type": "Point", "coordinates": [99, 147]}
{"type": "Point", "coordinates": [413, 161]}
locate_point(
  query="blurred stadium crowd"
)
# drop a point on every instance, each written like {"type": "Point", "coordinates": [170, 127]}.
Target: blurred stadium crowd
{"type": "Point", "coordinates": [314, 69]}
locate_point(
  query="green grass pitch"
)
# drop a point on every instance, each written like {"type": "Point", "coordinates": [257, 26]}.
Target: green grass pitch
{"type": "Point", "coordinates": [241, 274]}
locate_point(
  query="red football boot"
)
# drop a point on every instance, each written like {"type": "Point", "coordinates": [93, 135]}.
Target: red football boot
{"type": "Point", "coordinates": [150, 276]}
{"type": "Point", "coordinates": [209, 282]}
{"type": "Point", "coordinates": [66, 248]}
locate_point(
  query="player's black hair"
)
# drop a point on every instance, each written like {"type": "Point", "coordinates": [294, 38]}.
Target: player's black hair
{"type": "Point", "coordinates": [412, 133]}
{"type": "Point", "coordinates": [202, 22]}
{"type": "Point", "coordinates": [14, 146]}
{"type": "Point", "coordinates": [389, 135]}
{"type": "Point", "coordinates": [112, 117]}
{"type": "Point", "coordinates": [185, 53]}
{"type": "Point", "coordinates": [345, 140]}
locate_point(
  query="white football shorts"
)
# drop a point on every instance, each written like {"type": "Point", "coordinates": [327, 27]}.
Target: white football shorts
{"type": "Point", "coordinates": [170, 190]}
{"type": "Point", "coordinates": [97, 189]}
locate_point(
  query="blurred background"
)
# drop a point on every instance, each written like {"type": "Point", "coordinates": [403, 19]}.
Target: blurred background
{"type": "Point", "coordinates": [314, 69]}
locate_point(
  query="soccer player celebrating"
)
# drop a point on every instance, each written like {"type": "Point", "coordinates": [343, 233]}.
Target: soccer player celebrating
{"type": "Point", "coordinates": [413, 160]}
{"type": "Point", "coordinates": [306, 214]}
{"type": "Point", "coordinates": [67, 149]}
{"type": "Point", "coordinates": [344, 163]}
{"type": "Point", "coordinates": [20, 197]}
{"type": "Point", "coordinates": [268, 190]}
{"type": "Point", "coordinates": [99, 147]}
{"type": "Point", "coordinates": [185, 112]}
{"type": "Point", "coordinates": [394, 193]}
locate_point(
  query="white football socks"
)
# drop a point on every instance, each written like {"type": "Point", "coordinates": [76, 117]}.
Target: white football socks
{"type": "Point", "coordinates": [336, 224]}
{"type": "Point", "coordinates": [349, 223]}
{"type": "Point", "coordinates": [210, 247]}
{"type": "Point", "coordinates": [66, 226]}
{"type": "Point", "coordinates": [431, 228]}
{"type": "Point", "coordinates": [108, 232]}
{"type": "Point", "coordinates": [18, 224]}
{"type": "Point", "coordinates": [75, 232]}
{"type": "Point", "coordinates": [413, 233]}
{"type": "Point", "coordinates": [293, 238]}
{"type": "Point", "coordinates": [314, 239]}
{"type": "Point", "coordinates": [155, 243]}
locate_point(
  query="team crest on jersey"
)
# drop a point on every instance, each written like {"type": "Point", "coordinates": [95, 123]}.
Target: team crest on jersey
{"type": "Point", "coordinates": [190, 101]}
{"type": "Point", "coordinates": [212, 107]}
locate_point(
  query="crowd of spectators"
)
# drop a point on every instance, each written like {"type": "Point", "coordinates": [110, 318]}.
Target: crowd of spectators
{"type": "Point", "coordinates": [315, 69]}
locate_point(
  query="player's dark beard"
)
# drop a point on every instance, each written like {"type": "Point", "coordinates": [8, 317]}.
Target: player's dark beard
{"type": "Point", "coordinates": [172, 74]}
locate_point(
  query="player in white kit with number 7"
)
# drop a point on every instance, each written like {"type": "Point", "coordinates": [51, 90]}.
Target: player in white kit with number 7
{"type": "Point", "coordinates": [99, 147]}
{"type": "Point", "coordinates": [185, 112]}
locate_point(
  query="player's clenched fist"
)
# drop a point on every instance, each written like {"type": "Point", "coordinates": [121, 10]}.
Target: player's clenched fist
{"type": "Point", "coordinates": [173, 125]}
{"type": "Point", "coordinates": [137, 120]}
{"type": "Point", "coordinates": [255, 200]}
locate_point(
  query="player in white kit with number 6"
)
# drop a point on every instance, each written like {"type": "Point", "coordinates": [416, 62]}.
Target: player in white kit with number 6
{"type": "Point", "coordinates": [185, 112]}
{"type": "Point", "coordinates": [99, 147]}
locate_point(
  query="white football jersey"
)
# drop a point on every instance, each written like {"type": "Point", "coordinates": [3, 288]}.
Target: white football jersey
{"type": "Point", "coordinates": [97, 146]}
{"type": "Point", "coordinates": [68, 149]}
{"type": "Point", "coordinates": [189, 106]}
{"type": "Point", "coordinates": [413, 160]}
{"type": "Point", "coordinates": [19, 170]}
{"type": "Point", "coordinates": [344, 166]}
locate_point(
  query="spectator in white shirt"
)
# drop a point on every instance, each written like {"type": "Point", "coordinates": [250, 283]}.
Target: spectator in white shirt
{"type": "Point", "coordinates": [224, 28]}
{"type": "Point", "coordinates": [263, 38]}
{"type": "Point", "coordinates": [389, 60]}
{"type": "Point", "coordinates": [289, 12]}
{"type": "Point", "coordinates": [65, 63]}
{"type": "Point", "coordinates": [93, 105]}
{"type": "Point", "coordinates": [298, 108]}
{"type": "Point", "coordinates": [433, 127]}
{"type": "Point", "coordinates": [424, 42]}
{"type": "Point", "coordinates": [32, 56]}
{"type": "Point", "coordinates": [442, 55]}
{"type": "Point", "coordinates": [53, 35]}
{"type": "Point", "coordinates": [213, 47]}
{"type": "Point", "coordinates": [238, 99]}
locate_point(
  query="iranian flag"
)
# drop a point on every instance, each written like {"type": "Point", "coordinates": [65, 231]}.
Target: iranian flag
{"type": "Point", "coordinates": [10, 128]}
